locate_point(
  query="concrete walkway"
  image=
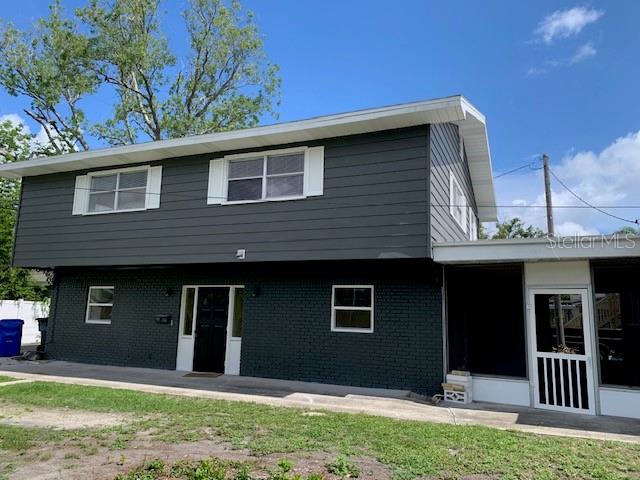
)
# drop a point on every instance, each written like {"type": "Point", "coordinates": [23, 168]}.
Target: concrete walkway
{"type": "Point", "coordinates": [389, 403]}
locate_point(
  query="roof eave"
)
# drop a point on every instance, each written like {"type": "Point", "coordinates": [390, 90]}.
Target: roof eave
{"type": "Point", "coordinates": [539, 249]}
{"type": "Point", "coordinates": [454, 109]}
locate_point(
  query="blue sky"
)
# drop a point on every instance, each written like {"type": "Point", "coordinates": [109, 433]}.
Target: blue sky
{"type": "Point", "coordinates": [554, 76]}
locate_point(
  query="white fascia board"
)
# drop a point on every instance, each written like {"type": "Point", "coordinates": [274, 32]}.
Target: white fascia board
{"type": "Point", "coordinates": [363, 121]}
{"type": "Point", "coordinates": [474, 132]}
{"type": "Point", "coordinates": [520, 250]}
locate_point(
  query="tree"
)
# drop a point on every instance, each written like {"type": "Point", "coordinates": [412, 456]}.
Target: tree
{"type": "Point", "coordinates": [15, 283]}
{"type": "Point", "coordinates": [45, 66]}
{"type": "Point", "coordinates": [482, 233]}
{"type": "Point", "coordinates": [116, 46]}
{"type": "Point", "coordinates": [515, 228]}
{"type": "Point", "coordinates": [223, 83]}
{"type": "Point", "coordinates": [628, 230]}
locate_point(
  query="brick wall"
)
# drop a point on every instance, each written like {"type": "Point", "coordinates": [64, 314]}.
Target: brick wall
{"type": "Point", "coordinates": [287, 326]}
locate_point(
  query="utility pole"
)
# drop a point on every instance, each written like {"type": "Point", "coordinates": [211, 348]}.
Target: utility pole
{"type": "Point", "coordinates": [547, 195]}
{"type": "Point", "coordinates": [557, 301]}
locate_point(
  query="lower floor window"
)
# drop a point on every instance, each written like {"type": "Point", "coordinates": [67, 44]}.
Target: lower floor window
{"type": "Point", "coordinates": [352, 308]}
{"type": "Point", "coordinates": [99, 305]}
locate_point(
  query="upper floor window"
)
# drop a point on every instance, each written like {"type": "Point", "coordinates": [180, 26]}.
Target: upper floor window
{"type": "Point", "coordinates": [287, 174]}
{"type": "Point", "coordinates": [122, 190]}
{"type": "Point", "coordinates": [118, 191]}
{"type": "Point", "coordinates": [272, 176]}
{"type": "Point", "coordinates": [457, 202]}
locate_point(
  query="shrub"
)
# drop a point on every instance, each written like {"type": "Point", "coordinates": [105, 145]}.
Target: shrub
{"type": "Point", "coordinates": [343, 468]}
{"type": "Point", "coordinates": [150, 471]}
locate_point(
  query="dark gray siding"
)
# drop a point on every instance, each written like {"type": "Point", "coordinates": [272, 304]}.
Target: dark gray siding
{"type": "Point", "coordinates": [374, 206]}
{"type": "Point", "coordinates": [444, 157]}
{"type": "Point", "coordinates": [287, 327]}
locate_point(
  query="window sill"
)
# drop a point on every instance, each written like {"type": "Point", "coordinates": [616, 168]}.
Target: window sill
{"type": "Point", "coordinates": [263, 200]}
{"type": "Point", "coordinates": [98, 322]}
{"type": "Point", "coordinates": [617, 388]}
{"type": "Point", "coordinates": [352, 330]}
{"type": "Point", "coordinates": [116, 211]}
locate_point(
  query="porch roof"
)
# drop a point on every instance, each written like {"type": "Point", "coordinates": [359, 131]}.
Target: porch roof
{"type": "Point", "coordinates": [537, 249]}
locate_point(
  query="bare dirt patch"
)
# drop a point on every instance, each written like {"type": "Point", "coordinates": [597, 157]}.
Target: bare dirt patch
{"type": "Point", "coordinates": [62, 419]}
{"type": "Point", "coordinates": [70, 462]}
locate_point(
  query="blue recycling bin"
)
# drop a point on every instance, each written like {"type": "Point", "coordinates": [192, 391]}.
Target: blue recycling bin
{"type": "Point", "coordinates": [10, 337]}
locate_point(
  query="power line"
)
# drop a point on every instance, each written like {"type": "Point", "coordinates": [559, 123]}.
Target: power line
{"type": "Point", "coordinates": [326, 201]}
{"type": "Point", "coordinates": [599, 209]}
{"type": "Point", "coordinates": [364, 204]}
{"type": "Point", "coordinates": [530, 165]}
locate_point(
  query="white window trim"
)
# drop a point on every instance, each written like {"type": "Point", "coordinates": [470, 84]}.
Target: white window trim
{"type": "Point", "coordinates": [183, 308]}
{"type": "Point", "coordinates": [473, 224]}
{"type": "Point", "coordinates": [334, 309]}
{"type": "Point", "coordinates": [89, 305]}
{"type": "Point", "coordinates": [264, 154]}
{"type": "Point", "coordinates": [104, 173]}
{"type": "Point", "coordinates": [453, 182]}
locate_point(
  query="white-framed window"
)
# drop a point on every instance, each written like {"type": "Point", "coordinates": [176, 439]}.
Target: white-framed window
{"type": "Point", "coordinates": [286, 174]}
{"type": "Point", "coordinates": [473, 225]}
{"type": "Point", "coordinates": [352, 308]}
{"type": "Point", "coordinates": [266, 177]}
{"type": "Point", "coordinates": [457, 202]}
{"type": "Point", "coordinates": [100, 304]}
{"type": "Point", "coordinates": [120, 190]}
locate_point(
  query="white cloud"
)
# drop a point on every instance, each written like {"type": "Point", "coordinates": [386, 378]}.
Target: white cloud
{"type": "Point", "coordinates": [607, 178]}
{"type": "Point", "coordinates": [533, 71]}
{"type": "Point", "coordinates": [585, 51]}
{"type": "Point", "coordinates": [16, 120]}
{"type": "Point", "coordinates": [39, 139]}
{"type": "Point", "coordinates": [566, 23]}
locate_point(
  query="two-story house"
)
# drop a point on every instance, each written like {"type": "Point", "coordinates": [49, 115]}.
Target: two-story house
{"type": "Point", "coordinates": [340, 249]}
{"type": "Point", "coordinates": [300, 250]}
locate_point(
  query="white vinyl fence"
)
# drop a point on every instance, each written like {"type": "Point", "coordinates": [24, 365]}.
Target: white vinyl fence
{"type": "Point", "coordinates": [27, 311]}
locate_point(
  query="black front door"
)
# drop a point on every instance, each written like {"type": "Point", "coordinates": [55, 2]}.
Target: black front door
{"type": "Point", "coordinates": [211, 329]}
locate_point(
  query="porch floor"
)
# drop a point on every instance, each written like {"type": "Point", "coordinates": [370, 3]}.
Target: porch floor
{"type": "Point", "coordinates": [390, 403]}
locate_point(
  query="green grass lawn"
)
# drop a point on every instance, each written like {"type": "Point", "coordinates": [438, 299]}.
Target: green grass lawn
{"type": "Point", "coordinates": [4, 378]}
{"type": "Point", "coordinates": [411, 449]}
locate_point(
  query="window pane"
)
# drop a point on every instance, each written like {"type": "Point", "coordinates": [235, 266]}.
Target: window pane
{"type": "Point", "coordinates": [101, 202]}
{"type": "Point", "coordinates": [188, 311]}
{"type": "Point", "coordinates": [238, 307]}
{"type": "Point", "coordinates": [129, 199]}
{"type": "Point", "coordinates": [353, 297]}
{"type": "Point", "coordinates": [611, 339]}
{"type": "Point", "coordinates": [284, 186]}
{"type": "Point", "coordinates": [246, 168]}
{"type": "Point", "coordinates": [245, 189]}
{"type": "Point", "coordinates": [617, 317]}
{"type": "Point", "coordinates": [353, 319]}
{"type": "Point", "coordinates": [285, 164]}
{"type": "Point", "coordinates": [100, 313]}
{"type": "Point", "coordinates": [101, 295]}
{"type": "Point", "coordinates": [559, 323]}
{"type": "Point", "coordinates": [133, 179]}
{"type": "Point", "coordinates": [104, 183]}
